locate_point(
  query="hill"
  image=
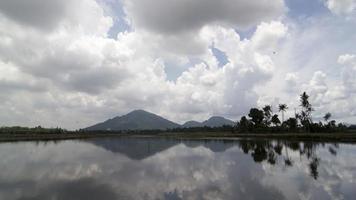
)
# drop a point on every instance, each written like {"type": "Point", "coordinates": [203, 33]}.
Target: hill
{"type": "Point", "coordinates": [135, 120]}
{"type": "Point", "coordinates": [214, 121]}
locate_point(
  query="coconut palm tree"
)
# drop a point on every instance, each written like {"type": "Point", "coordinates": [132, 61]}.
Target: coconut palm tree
{"type": "Point", "coordinates": [327, 117]}
{"type": "Point", "coordinates": [267, 111]}
{"type": "Point", "coordinates": [307, 109]}
{"type": "Point", "coordinates": [282, 108]}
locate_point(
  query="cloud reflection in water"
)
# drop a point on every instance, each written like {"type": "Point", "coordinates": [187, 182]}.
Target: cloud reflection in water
{"type": "Point", "coordinates": [149, 168]}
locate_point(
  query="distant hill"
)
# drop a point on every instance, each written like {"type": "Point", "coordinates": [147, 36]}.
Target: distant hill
{"type": "Point", "coordinates": [191, 124]}
{"type": "Point", "coordinates": [135, 120]}
{"type": "Point", "coordinates": [352, 126]}
{"type": "Point", "coordinates": [217, 122]}
{"type": "Point", "coordinates": [211, 122]}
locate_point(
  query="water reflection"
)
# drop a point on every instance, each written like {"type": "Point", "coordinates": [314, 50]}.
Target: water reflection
{"type": "Point", "coordinates": [270, 151]}
{"type": "Point", "coordinates": [147, 168]}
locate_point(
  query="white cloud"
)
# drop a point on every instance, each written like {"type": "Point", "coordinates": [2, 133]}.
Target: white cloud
{"type": "Point", "coordinates": [291, 80]}
{"type": "Point", "coordinates": [229, 89]}
{"type": "Point", "coordinates": [84, 77]}
{"type": "Point", "coordinates": [341, 6]}
{"type": "Point", "coordinates": [72, 75]}
{"type": "Point", "coordinates": [335, 96]}
{"type": "Point", "coordinates": [348, 72]}
{"type": "Point", "coordinates": [347, 59]}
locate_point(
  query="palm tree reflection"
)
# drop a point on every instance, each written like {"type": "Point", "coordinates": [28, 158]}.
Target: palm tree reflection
{"type": "Point", "coordinates": [272, 152]}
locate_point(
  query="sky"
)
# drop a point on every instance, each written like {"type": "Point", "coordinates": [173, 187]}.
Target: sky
{"type": "Point", "coordinates": [72, 64]}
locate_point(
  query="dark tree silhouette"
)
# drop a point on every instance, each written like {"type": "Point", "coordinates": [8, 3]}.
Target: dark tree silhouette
{"type": "Point", "coordinates": [256, 116]}
{"type": "Point", "coordinates": [275, 120]}
{"type": "Point", "coordinates": [327, 116]}
{"type": "Point", "coordinates": [244, 124]}
{"type": "Point", "coordinates": [267, 111]}
{"type": "Point", "coordinates": [292, 124]}
{"type": "Point", "coordinates": [305, 115]}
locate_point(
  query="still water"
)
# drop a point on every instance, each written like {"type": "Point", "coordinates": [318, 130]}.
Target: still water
{"type": "Point", "coordinates": [146, 168]}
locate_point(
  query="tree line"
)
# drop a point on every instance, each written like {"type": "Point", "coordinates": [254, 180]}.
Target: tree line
{"type": "Point", "coordinates": [264, 120]}
{"type": "Point", "coordinates": [34, 130]}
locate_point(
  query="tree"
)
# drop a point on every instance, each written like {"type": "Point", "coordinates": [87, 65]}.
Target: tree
{"type": "Point", "coordinates": [267, 111]}
{"type": "Point", "coordinates": [256, 116]}
{"type": "Point", "coordinates": [305, 115]}
{"type": "Point", "coordinates": [282, 108]}
{"type": "Point", "coordinates": [327, 117]}
{"type": "Point", "coordinates": [244, 124]}
{"type": "Point", "coordinates": [291, 123]}
{"type": "Point", "coordinates": [275, 120]}
{"type": "Point", "coordinates": [332, 124]}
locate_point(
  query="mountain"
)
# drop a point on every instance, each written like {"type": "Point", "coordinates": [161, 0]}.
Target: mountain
{"type": "Point", "coordinates": [211, 122]}
{"type": "Point", "coordinates": [135, 120]}
{"type": "Point", "coordinates": [191, 124]}
{"type": "Point", "coordinates": [352, 126]}
{"type": "Point", "coordinates": [217, 121]}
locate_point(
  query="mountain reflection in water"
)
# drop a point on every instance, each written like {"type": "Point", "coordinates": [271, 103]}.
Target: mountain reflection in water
{"type": "Point", "coordinates": [152, 168]}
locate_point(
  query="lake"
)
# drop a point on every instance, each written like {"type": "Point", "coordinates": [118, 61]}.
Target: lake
{"type": "Point", "coordinates": [154, 168]}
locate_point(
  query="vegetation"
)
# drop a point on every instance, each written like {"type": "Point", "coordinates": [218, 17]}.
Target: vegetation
{"type": "Point", "coordinates": [282, 108]}
{"type": "Point", "coordinates": [264, 121]}
{"type": "Point", "coordinates": [35, 130]}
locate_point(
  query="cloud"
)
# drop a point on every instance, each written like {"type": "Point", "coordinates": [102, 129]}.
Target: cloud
{"type": "Point", "coordinates": [43, 15]}
{"type": "Point", "coordinates": [291, 80]}
{"type": "Point", "coordinates": [63, 68]}
{"type": "Point", "coordinates": [347, 59]}
{"type": "Point", "coordinates": [228, 89]}
{"type": "Point", "coordinates": [229, 173]}
{"type": "Point", "coordinates": [341, 6]}
{"type": "Point", "coordinates": [335, 96]}
{"type": "Point", "coordinates": [175, 16]}
{"type": "Point", "coordinates": [47, 16]}
{"type": "Point", "coordinates": [111, 75]}
{"type": "Point", "coordinates": [348, 73]}
{"type": "Point", "coordinates": [194, 170]}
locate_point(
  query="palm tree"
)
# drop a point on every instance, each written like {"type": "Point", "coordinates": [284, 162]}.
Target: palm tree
{"type": "Point", "coordinates": [275, 120]}
{"type": "Point", "coordinates": [327, 117]}
{"type": "Point", "coordinates": [267, 111]}
{"type": "Point", "coordinates": [307, 109]}
{"type": "Point", "coordinates": [282, 108]}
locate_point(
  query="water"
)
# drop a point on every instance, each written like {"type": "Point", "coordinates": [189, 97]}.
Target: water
{"type": "Point", "coordinates": [128, 168]}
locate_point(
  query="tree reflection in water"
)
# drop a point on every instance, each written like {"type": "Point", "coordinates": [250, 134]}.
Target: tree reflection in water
{"type": "Point", "coordinates": [160, 168]}
{"type": "Point", "coordinates": [271, 151]}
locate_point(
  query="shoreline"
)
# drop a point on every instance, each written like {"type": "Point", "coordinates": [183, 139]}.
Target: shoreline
{"type": "Point", "coordinates": [318, 137]}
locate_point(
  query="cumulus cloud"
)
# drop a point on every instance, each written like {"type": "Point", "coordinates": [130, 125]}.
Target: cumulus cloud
{"type": "Point", "coordinates": [348, 72]}
{"type": "Point", "coordinates": [341, 6]}
{"type": "Point", "coordinates": [83, 14]}
{"type": "Point", "coordinates": [229, 89]}
{"type": "Point", "coordinates": [174, 16]}
{"type": "Point", "coordinates": [44, 15]}
{"type": "Point", "coordinates": [335, 96]}
{"type": "Point", "coordinates": [70, 63]}
{"type": "Point", "coordinates": [58, 63]}
{"type": "Point", "coordinates": [317, 87]}
{"type": "Point", "coordinates": [291, 82]}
